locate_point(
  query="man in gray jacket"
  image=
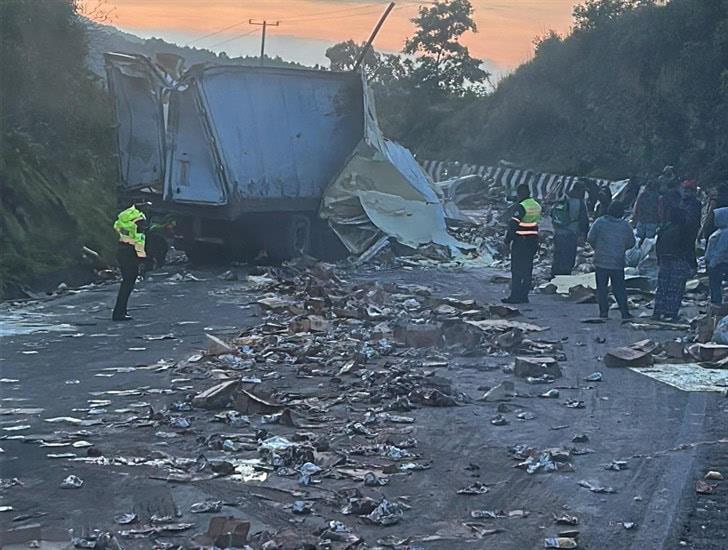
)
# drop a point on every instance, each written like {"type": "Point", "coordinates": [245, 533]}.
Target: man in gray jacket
{"type": "Point", "coordinates": [611, 236]}
{"type": "Point", "coordinates": [716, 256]}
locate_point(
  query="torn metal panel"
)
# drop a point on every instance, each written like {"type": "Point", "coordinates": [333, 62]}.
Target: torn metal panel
{"type": "Point", "coordinates": [383, 190]}
{"type": "Point", "coordinates": [455, 192]}
{"type": "Point", "coordinates": [194, 173]}
{"type": "Point", "coordinates": [687, 376]}
{"type": "Point", "coordinates": [411, 222]}
{"type": "Point", "coordinates": [136, 89]}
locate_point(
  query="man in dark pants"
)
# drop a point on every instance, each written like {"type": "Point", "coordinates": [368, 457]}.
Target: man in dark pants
{"type": "Point", "coordinates": [522, 238]}
{"type": "Point", "coordinates": [129, 226]}
{"type": "Point", "coordinates": [571, 225]}
{"type": "Point", "coordinates": [611, 236]}
{"type": "Point", "coordinates": [693, 208]}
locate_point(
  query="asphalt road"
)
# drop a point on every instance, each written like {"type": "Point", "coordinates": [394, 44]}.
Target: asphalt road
{"type": "Point", "coordinates": [76, 350]}
{"type": "Point", "coordinates": [627, 416]}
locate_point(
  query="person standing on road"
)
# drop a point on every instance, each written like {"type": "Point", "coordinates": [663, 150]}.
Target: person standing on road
{"type": "Point", "coordinates": [129, 226]}
{"type": "Point", "coordinates": [693, 209]}
{"type": "Point", "coordinates": [571, 225]}
{"type": "Point", "coordinates": [675, 257]}
{"type": "Point", "coordinates": [522, 240]}
{"type": "Point", "coordinates": [669, 193]}
{"type": "Point", "coordinates": [718, 200]}
{"type": "Point", "coordinates": [611, 236]}
{"type": "Point", "coordinates": [605, 199]}
{"type": "Point", "coordinates": [646, 217]}
{"type": "Point", "coordinates": [716, 256]}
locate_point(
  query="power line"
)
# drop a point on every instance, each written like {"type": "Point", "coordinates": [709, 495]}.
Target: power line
{"type": "Point", "coordinates": [303, 17]}
{"type": "Point", "coordinates": [233, 38]}
{"type": "Point", "coordinates": [345, 10]}
{"type": "Point", "coordinates": [370, 12]}
{"type": "Point", "coordinates": [218, 31]}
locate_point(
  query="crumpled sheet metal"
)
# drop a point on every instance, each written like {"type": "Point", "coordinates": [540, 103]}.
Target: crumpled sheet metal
{"type": "Point", "coordinates": [382, 189]}
{"type": "Point", "coordinates": [411, 222]}
{"type": "Point", "coordinates": [687, 376]}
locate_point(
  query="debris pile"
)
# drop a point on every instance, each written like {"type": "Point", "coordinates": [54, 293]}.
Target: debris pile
{"type": "Point", "coordinates": [310, 420]}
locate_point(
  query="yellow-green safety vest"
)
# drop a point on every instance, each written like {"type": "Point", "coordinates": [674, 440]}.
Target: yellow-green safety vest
{"type": "Point", "coordinates": [126, 227]}
{"type": "Point", "coordinates": [528, 225]}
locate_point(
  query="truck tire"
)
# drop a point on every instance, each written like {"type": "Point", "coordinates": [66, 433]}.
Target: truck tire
{"type": "Point", "coordinates": [242, 247]}
{"type": "Point", "coordinates": [326, 245]}
{"type": "Point", "coordinates": [291, 240]}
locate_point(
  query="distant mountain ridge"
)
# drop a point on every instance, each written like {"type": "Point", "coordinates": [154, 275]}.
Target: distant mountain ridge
{"type": "Point", "coordinates": [107, 38]}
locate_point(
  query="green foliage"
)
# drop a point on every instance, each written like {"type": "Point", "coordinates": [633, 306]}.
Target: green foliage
{"type": "Point", "coordinates": [419, 91]}
{"type": "Point", "coordinates": [633, 88]}
{"type": "Point", "coordinates": [595, 13]}
{"type": "Point", "coordinates": [442, 62]}
{"type": "Point", "coordinates": [56, 172]}
{"type": "Point", "coordinates": [344, 55]}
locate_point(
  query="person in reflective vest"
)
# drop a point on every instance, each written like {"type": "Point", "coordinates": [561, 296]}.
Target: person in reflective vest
{"type": "Point", "coordinates": [522, 240]}
{"type": "Point", "coordinates": [129, 227]}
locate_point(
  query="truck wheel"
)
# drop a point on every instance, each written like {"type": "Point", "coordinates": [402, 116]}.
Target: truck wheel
{"type": "Point", "coordinates": [292, 240]}
{"type": "Point", "coordinates": [326, 245]}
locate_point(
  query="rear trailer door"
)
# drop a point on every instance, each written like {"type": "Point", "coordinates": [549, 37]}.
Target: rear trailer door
{"type": "Point", "coordinates": [136, 91]}
{"type": "Point", "coordinates": [195, 173]}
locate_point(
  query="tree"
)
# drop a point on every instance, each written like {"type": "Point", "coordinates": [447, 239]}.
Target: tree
{"type": "Point", "coordinates": [595, 13]}
{"type": "Point", "coordinates": [343, 56]}
{"type": "Point", "coordinates": [393, 72]}
{"type": "Point", "coordinates": [551, 41]}
{"type": "Point", "coordinates": [442, 63]}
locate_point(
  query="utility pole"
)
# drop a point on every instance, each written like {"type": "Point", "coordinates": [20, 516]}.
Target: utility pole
{"type": "Point", "coordinates": [265, 25]}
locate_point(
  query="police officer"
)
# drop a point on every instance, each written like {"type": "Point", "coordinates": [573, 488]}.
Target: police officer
{"type": "Point", "coordinates": [129, 226]}
{"type": "Point", "coordinates": [522, 239]}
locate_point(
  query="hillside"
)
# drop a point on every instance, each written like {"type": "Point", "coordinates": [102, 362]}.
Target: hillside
{"type": "Point", "coordinates": [57, 163]}
{"type": "Point", "coordinates": [623, 94]}
{"type": "Point", "coordinates": [106, 38]}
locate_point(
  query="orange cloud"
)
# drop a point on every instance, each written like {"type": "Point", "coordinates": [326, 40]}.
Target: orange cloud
{"type": "Point", "coordinates": [506, 27]}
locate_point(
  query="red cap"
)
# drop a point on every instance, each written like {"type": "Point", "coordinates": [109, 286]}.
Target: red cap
{"type": "Point", "coordinates": [690, 184]}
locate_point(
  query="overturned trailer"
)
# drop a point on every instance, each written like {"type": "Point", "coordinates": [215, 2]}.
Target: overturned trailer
{"type": "Point", "coordinates": [243, 156]}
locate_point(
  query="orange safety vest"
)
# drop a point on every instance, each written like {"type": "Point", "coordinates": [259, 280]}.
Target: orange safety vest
{"type": "Point", "coordinates": [528, 225]}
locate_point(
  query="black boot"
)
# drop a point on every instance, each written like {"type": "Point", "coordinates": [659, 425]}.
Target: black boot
{"type": "Point", "coordinates": [122, 317]}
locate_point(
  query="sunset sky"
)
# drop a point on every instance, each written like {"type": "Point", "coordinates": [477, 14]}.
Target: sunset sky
{"type": "Point", "coordinates": [307, 27]}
